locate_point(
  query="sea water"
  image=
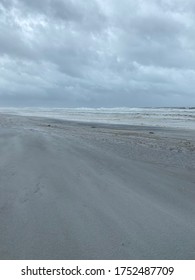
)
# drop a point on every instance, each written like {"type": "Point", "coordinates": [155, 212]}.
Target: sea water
{"type": "Point", "coordinates": [163, 117]}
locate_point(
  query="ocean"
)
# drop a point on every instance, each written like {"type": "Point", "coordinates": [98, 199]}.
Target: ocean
{"type": "Point", "coordinates": [162, 117]}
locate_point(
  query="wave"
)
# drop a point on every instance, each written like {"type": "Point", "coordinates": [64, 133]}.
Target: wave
{"type": "Point", "coordinates": [165, 117]}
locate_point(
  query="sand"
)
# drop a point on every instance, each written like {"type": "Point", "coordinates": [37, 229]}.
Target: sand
{"type": "Point", "coordinates": [72, 190]}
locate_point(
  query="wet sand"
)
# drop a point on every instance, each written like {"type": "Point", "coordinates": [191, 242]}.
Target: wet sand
{"type": "Point", "coordinates": [72, 190]}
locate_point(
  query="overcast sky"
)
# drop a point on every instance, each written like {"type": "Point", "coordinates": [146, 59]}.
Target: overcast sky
{"type": "Point", "coordinates": [97, 53]}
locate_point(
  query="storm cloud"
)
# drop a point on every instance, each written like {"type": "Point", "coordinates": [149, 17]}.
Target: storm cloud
{"type": "Point", "coordinates": [95, 53]}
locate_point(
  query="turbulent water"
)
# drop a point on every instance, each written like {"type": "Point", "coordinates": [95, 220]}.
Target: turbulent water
{"type": "Point", "coordinates": [164, 117]}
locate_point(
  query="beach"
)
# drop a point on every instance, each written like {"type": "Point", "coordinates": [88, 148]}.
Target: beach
{"type": "Point", "coordinates": [77, 190]}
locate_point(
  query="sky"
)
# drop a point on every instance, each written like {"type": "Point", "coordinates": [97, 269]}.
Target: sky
{"type": "Point", "coordinates": [97, 53]}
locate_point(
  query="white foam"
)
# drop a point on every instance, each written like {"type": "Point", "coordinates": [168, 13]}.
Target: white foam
{"type": "Point", "coordinates": [163, 117]}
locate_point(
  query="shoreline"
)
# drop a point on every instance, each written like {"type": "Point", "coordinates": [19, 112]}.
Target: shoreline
{"type": "Point", "coordinates": [160, 117]}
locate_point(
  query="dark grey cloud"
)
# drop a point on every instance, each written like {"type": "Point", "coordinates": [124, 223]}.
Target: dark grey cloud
{"type": "Point", "coordinates": [97, 53]}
